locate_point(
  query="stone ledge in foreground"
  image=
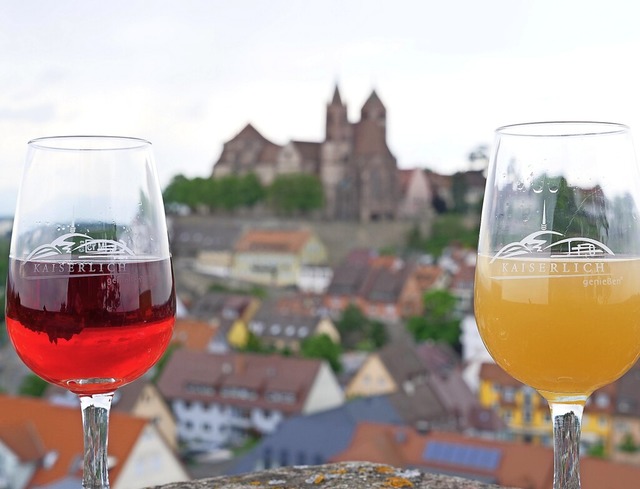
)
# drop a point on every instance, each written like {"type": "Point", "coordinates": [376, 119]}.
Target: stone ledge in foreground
{"type": "Point", "coordinates": [345, 475]}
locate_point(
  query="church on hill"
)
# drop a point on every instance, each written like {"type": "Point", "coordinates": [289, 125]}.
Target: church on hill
{"type": "Point", "coordinates": [358, 172]}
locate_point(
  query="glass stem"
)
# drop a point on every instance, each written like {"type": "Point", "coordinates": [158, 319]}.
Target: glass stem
{"type": "Point", "coordinates": [566, 444]}
{"type": "Point", "coordinates": [95, 425]}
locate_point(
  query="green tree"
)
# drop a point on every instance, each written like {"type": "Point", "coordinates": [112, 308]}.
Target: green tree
{"type": "Point", "coordinates": [254, 344]}
{"type": "Point", "coordinates": [628, 444]}
{"type": "Point", "coordinates": [250, 190]}
{"type": "Point", "coordinates": [358, 331]}
{"type": "Point", "coordinates": [229, 192]}
{"type": "Point", "coordinates": [439, 322]}
{"type": "Point", "coordinates": [352, 326]}
{"type": "Point", "coordinates": [597, 450]}
{"type": "Point", "coordinates": [227, 188]}
{"type": "Point", "coordinates": [32, 386]}
{"type": "Point", "coordinates": [448, 228]}
{"type": "Point", "coordinates": [322, 347]}
{"type": "Point", "coordinates": [179, 192]}
{"type": "Point", "coordinates": [296, 193]}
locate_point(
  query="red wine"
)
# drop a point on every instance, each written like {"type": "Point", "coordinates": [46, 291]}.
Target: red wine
{"type": "Point", "coordinates": [90, 326]}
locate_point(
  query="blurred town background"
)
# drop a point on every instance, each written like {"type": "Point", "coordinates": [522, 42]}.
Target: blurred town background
{"type": "Point", "coordinates": [325, 314]}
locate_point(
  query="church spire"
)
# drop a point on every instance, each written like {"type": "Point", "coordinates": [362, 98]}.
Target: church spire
{"type": "Point", "coordinates": [336, 97]}
{"type": "Point", "coordinates": [338, 127]}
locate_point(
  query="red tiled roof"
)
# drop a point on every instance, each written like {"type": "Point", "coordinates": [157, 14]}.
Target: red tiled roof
{"type": "Point", "coordinates": [60, 430]}
{"type": "Point", "coordinates": [515, 464]}
{"type": "Point", "coordinates": [427, 275]}
{"type": "Point", "coordinates": [193, 334]}
{"type": "Point", "coordinates": [23, 439]}
{"type": "Point", "coordinates": [494, 373]}
{"type": "Point", "coordinates": [273, 241]}
{"type": "Point", "coordinates": [260, 373]}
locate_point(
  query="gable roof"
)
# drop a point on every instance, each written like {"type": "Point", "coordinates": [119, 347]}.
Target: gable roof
{"type": "Point", "coordinates": [124, 398]}
{"type": "Point", "coordinates": [402, 362]}
{"type": "Point", "coordinates": [208, 377]}
{"type": "Point", "coordinates": [492, 372]}
{"type": "Point", "coordinates": [60, 430]}
{"type": "Point", "coordinates": [309, 150]}
{"type": "Point", "coordinates": [385, 279]}
{"type": "Point", "coordinates": [215, 305]}
{"type": "Point", "coordinates": [419, 406]}
{"type": "Point", "coordinates": [193, 334]}
{"type": "Point", "coordinates": [249, 132]}
{"type": "Point", "coordinates": [267, 154]}
{"type": "Point", "coordinates": [369, 276]}
{"type": "Point", "coordinates": [432, 389]}
{"type": "Point", "coordinates": [23, 440]}
{"type": "Point", "coordinates": [273, 240]}
{"type": "Point", "coordinates": [437, 356]}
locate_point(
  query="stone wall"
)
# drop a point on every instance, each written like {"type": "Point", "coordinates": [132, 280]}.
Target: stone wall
{"type": "Point", "coordinates": [347, 475]}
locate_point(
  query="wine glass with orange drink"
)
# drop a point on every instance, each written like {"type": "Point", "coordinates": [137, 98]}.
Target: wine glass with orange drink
{"type": "Point", "coordinates": [557, 288]}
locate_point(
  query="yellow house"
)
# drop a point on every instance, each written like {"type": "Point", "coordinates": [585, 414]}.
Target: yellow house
{"type": "Point", "coordinates": [150, 404]}
{"type": "Point", "coordinates": [371, 379]}
{"type": "Point", "coordinates": [526, 413]}
{"type": "Point", "coordinates": [140, 398]}
{"type": "Point", "coordinates": [394, 367]}
{"type": "Point", "coordinates": [276, 257]}
{"type": "Point", "coordinates": [238, 334]}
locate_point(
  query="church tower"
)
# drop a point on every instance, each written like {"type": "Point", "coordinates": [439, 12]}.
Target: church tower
{"type": "Point", "coordinates": [374, 110]}
{"type": "Point", "coordinates": [335, 154]}
{"type": "Point", "coordinates": [337, 126]}
{"type": "Point", "coordinates": [376, 166]}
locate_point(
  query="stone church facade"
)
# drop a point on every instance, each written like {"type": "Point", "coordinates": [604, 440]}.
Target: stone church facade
{"type": "Point", "coordinates": [358, 172]}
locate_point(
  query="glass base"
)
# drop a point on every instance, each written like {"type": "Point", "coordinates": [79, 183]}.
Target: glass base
{"type": "Point", "coordinates": [560, 398]}
{"type": "Point", "coordinates": [96, 385]}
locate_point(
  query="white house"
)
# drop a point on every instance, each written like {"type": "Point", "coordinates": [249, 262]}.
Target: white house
{"type": "Point", "coordinates": [218, 399]}
{"type": "Point", "coordinates": [474, 353]}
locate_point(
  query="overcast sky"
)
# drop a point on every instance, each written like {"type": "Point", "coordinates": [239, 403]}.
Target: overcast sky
{"type": "Point", "coordinates": [189, 74]}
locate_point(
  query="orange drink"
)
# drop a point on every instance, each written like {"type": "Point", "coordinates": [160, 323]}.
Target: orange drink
{"type": "Point", "coordinates": [565, 326]}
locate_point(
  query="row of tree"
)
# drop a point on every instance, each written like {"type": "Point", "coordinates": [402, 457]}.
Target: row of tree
{"type": "Point", "coordinates": [294, 193]}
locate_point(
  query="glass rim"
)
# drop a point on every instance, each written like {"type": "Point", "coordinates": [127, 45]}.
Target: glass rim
{"type": "Point", "coordinates": [88, 143]}
{"type": "Point", "coordinates": [562, 129]}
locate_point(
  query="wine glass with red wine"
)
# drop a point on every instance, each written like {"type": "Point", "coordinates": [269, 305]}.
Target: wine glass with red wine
{"type": "Point", "coordinates": [90, 301]}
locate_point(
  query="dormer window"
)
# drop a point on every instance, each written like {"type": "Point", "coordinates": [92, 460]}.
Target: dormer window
{"type": "Point", "coordinates": [256, 327]}
{"type": "Point", "coordinates": [275, 329]}
{"type": "Point", "coordinates": [602, 400]}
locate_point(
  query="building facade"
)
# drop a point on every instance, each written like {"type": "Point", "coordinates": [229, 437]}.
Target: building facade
{"type": "Point", "coordinates": [359, 174]}
{"type": "Point", "coordinates": [221, 399]}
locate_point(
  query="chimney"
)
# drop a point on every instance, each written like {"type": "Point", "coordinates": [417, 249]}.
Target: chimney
{"type": "Point", "coordinates": [240, 363]}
